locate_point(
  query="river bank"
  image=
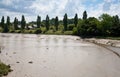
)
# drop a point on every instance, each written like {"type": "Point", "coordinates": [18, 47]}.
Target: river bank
{"type": "Point", "coordinates": [107, 42]}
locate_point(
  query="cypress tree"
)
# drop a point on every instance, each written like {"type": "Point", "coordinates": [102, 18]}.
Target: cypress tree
{"type": "Point", "coordinates": [84, 15]}
{"type": "Point", "coordinates": [65, 22]}
{"type": "Point", "coordinates": [15, 23]}
{"type": "Point", "coordinates": [38, 21]}
{"type": "Point", "coordinates": [76, 20]}
{"type": "Point", "coordinates": [56, 23]}
{"type": "Point", "coordinates": [47, 24]}
{"type": "Point", "coordinates": [2, 22]}
{"type": "Point", "coordinates": [23, 23]}
{"type": "Point", "coordinates": [6, 26]}
{"type": "Point", "coordinates": [8, 22]}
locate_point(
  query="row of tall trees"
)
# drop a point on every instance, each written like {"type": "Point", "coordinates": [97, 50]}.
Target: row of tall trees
{"type": "Point", "coordinates": [6, 26]}
{"type": "Point", "coordinates": [104, 25]}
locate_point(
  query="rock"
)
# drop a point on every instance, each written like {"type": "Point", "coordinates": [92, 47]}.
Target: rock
{"type": "Point", "coordinates": [78, 39]}
{"type": "Point", "coordinates": [30, 62]}
{"type": "Point", "coordinates": [14, 52]}
{"type": "Point", "coordinates": [17, 62]}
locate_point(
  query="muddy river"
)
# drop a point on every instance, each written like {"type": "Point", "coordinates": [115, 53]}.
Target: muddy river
{"type": "Point", "coordinates": [33, 55]}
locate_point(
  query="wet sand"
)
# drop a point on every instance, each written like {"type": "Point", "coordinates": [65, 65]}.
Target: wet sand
{"type": "Point", "coordinates": [56, 56]}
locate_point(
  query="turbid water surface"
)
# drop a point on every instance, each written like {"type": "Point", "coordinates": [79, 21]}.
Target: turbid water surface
{"type": "Point", "coordinates": [33, 55]}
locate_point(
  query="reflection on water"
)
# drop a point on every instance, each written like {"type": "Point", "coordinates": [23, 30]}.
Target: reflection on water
{"type": "Point", "coordinates": [56, 56]}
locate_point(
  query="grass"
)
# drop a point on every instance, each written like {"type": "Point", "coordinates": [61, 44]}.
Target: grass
{"type": "Point", "coordinates": [4, 69]}
{"type": "Point", "coordinates": [72, 31]}
{"type": "Point", "coordinates": [112, 38]}
{"type": "Point", "coordinates": [68, 33]}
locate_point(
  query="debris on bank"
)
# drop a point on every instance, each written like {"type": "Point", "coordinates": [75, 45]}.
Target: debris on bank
{"type": "Point", "coordinates": [114, 43]}
{"type": "Point", "coordinates": [30, 62]}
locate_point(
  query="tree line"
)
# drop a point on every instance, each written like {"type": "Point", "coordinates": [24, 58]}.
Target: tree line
{"type": "Point", "coordinates": [105, 25]}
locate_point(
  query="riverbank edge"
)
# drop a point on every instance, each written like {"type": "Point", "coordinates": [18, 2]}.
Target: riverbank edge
{"type": "Point", "coordinates": [107, 42]}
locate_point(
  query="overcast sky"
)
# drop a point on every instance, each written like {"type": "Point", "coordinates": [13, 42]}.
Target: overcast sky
{"type": "Point", "coordinates": [32, 8]}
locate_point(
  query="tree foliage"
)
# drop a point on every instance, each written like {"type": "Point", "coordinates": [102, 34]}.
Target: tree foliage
{"type": "Point", "coordinates": [2, 22]}
{"type": "Point", "coordinates": [15, 23]}
{"type": "Point", "coordinates": [105, 25]}
{"type": "Point", "coordinates": [76, 20]}
{"type": "Point", "coordinates": [47, 24]}
{"type": "Point", "coordinates": [115, 29]}
{"type": "Point", "coordinates": [84, 15]}
{"type": "Point", "coordinates": [56, 23]}
{"type": "Point", "coordinates": [23, 23]}
{"type": "Point", "coordinates": [38, 21]}
{"type": "Point", "coordinates": [6, 26]}
{"type": "Point", "coordinates": [88, 27]}
{"type": "Point", "coordinates": [65, 22]}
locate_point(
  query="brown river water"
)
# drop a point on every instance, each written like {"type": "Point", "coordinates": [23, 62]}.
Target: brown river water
{"type": "Point", "coordinates": [33, 55]}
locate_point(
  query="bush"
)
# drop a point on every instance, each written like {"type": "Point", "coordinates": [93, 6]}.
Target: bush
{"type": "Point", "coordinates": [11, 31]}
{"type": "Point", "coordinates": [26, 31]}
{"type": "Point", "coordinates": [49, 32]}
{"type": "Point", "coordinates": [37, 31]}
{"type": "Point", "coordinates": [60, 27]}
{"type": "Point", "coordinates": [4, 69]}
{"type": "Point", "coordinates": [52, 28]}
{"type": "Point", "coordinates": [58, 32]}
{"type": "Point", "coordinates": [75, 31]}
{"type": "Point", "coordinates": [43, 29]}
{"type": "Point", "coordinates": [17, 31]}
{"type": "Point", "coordinates": [31, 31]}
{"type": "Point", "coordinates": [71, 26]}
{"type": "Point", "coordinates": [68, 33]}
{"type": "Point", "coordinates": [0, 29]}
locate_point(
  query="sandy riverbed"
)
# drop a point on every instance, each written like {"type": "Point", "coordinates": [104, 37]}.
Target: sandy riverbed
{"type": "Point", "coordinates": [56, 56]}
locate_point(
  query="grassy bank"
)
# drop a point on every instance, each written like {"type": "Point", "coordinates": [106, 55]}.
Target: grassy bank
{"type": "Point", "coordinates": [112, 38]}
{"type": "Point", "coordinates": [49, 32]}
{"type": "Point", "coordinates": [4, 69]}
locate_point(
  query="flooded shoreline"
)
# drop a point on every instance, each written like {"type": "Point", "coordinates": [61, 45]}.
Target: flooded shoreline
{"type": "Point", "coordinates": [56, 56]}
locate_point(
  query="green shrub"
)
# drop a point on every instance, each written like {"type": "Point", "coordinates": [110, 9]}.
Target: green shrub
{"type": "Point", "coordinates": [68, 32]}
{"type": "Point", "coordinates": [71, 26]}
{"type": "Point", "coordinates": [52, 27]}
{"type": "Point", "coordinates": [60, 27]}
{"type": "Point", "coordinates": [31, 31]}
{"type": "Point", "coordinates": [17, 31]}
{"type": "Point", "coordinates": [0, 29]}
{"type": "Point", "coordinates": [43, 29]}
{"type": "Point", "coordinates": [26, 31]}
{"type": "Point", "coordinates": [4, 69]}
{"type": "Point", "coordinates": [58, 32]}
{"type": "Point", "coordinates": [37, 31]}
{"type": "Point", "coordinates": [11, 31]}
{"type": "Point", "coordinates": [75, 31]}
{"type": "Point", "coordinates": [49, 32]}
